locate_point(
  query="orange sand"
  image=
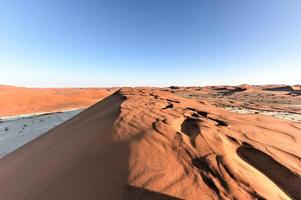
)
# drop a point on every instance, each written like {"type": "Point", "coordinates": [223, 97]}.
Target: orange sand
{"type": "Point", "coordinates": [20, 100]}
{"type": "Point", "coordinates": [150, 144]}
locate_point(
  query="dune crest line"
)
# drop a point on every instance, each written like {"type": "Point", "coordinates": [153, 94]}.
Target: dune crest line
{"type": "Point", "coordinates": [147, 143]}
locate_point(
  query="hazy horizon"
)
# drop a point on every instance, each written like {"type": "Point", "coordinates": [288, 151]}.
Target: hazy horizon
{"type": "Point", "coordinates": [154, 43]}
{"type": "Point", "coordinates": [146, 86]}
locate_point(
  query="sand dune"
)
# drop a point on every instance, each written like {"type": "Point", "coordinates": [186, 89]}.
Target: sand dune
{"type": "Point", "coordinates": [270, 98]}
{"type": "Point", "coordinates": [275, 171]}
{"type": "Point", "coordinates": [282, 88]}
{"type": "Point", "coordinates": [147, 143]}
{"type": "Point", "coordinates": [21, 100]}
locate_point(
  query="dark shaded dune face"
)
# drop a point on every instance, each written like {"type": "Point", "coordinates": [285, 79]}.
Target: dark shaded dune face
{"type": "Point", "coordinates": [132, 192]}
{"type": "Point", "coordinates": [282, 176]}
{"type": "Point", "coordinates": [228, 90]}
{"type": "Point", "coordinates": [190, 127]}
{"type": "Point", "coordinates": [280, 89]}
{"type": "Point", "coordinates": [232, 91]}
{"type": "Point", "coordinates": [196, 113]}
{"type": "Point", "coordinates": [169, 106]}
{"type": "Point", "coordinates": [172, 101]}
{"type": "Point", "coordinates": [201, 113]}
{"type": "Point", "coordinates": [219, 122]}
{"type": "Point", "coordinates": [174, 87]}
{"type": "Point", "coordinates": [203, 165]}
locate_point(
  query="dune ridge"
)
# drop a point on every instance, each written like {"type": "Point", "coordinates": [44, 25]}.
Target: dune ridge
{"type": "Point", "coordinates": [144, 143]}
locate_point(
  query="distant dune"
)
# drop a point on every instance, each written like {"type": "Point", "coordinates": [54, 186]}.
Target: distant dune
{"type": "Point", "coordinates": [271, 98]}
{"type": "Point", "coordinates": [21, 100]}
{"type": "Point", "coordinates": [148, 143]}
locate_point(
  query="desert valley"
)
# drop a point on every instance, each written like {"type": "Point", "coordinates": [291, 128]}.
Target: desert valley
{"type": "Point", "coordinates": [150, 100]}
{"type": "Point", "coordinates": [214, 142]}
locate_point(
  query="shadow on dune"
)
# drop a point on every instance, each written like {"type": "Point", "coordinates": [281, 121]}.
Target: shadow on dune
{"type": "Point", "coordinates": [280, 89]}
{"type": "Point", "coordinates": [228, 90]}
{"type": "Point", "coordinates": [288, 181]}
{"type": "Point", "coordinates": [78, 159]}
{"type": "Point", "coordinates": [135, 193]}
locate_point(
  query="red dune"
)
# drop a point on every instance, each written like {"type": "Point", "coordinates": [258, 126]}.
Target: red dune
{"type": "Point", "coordinates": [273, 98]}
{"type": "Point", "coordinates": [148, 143]}
{"type": "Point", "coordinates": [21, 100]}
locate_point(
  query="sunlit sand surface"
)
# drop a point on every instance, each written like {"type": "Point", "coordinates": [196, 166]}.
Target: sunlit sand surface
{"type": "Point", "coordinates": [151, 143]}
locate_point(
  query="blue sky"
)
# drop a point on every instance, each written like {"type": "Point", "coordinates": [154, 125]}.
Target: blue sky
{"type": "Point", "coordinates": [81, 43]}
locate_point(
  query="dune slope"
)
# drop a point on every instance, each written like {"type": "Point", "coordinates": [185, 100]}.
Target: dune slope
{"type": "Point", "coordinates": [149, 144]}
{"type": "Point", "coordinates": [21, 100]}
